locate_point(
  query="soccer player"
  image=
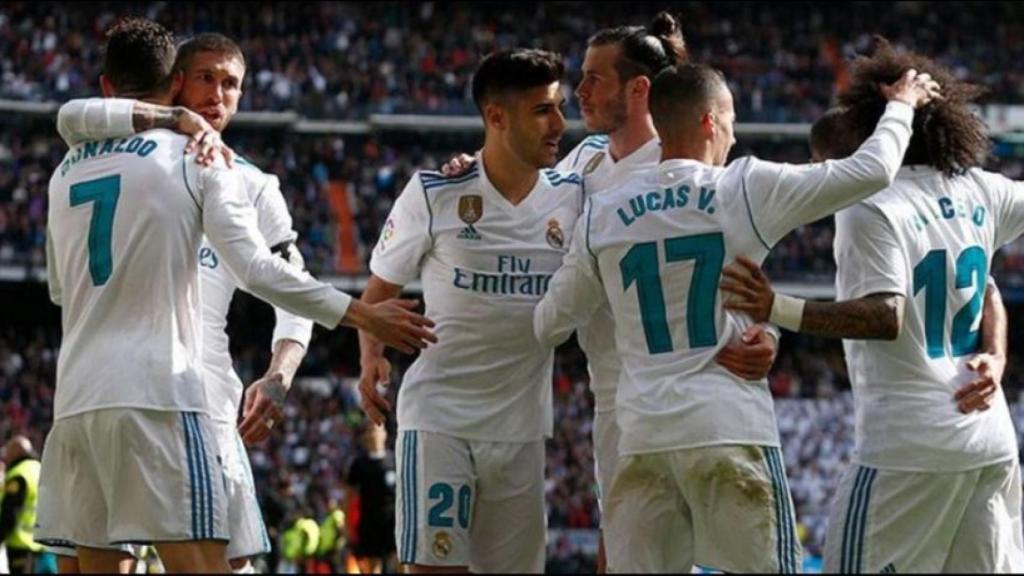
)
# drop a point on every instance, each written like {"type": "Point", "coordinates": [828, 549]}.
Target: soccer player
{"type": "Point", "coordinates": [701, 479]}
{"type": "Point", "coordinates": [128, 458]}
{"type": "Point", "coordinates": [213, 69]}
{"type": "Point", "coordinates": [474, 410]}
{"type": "Point", "coordinates": [618, 67]}
{"type": "Point", "coordinates": [935, 485]}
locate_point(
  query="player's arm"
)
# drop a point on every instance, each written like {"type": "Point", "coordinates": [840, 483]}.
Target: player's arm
{"type": "Point", "coordinates": [782, 197]}
{"type": "Point", "coordinates": [229, 221]}
{"type": "Point", "coordinates": [575, 292]}
{"type": "Point", "coordinates": [374, 368]}
{"type": "Point", "coordinates": [872, 317]}
{"type": "Point", "coordinates": [751, 355]}
{"type": "Point", "coordinates": [396, 261]}
{"type": "Point", "coordinates": [990, 362]}
{"type": "Point", "coordinates": [52, 277]}
{"type": "Point", "coordinates": [88, 119]}
{"type": "Point", "coordinates": [872, 271]}
{"type": "Point", "coordinates": [265, 398]}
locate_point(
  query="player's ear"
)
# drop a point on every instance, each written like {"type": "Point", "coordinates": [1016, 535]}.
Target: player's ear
{"type": "Point", "coordinates": [106, 87]}
{"type": "Point", "coordinates": [641, 88]}
{"type": "Point", "coordinates": [495, 116]}
{"type": "Point", "coordinates": [709, 124]}
{"type": "Point", "coordinates": [177, 81]}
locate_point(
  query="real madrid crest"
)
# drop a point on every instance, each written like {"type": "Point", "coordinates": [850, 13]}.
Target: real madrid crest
{"type": "Point", "coordinates": [442, 542]}
{"type": "Point", "coordinates": [594, 162]}
{"type": "Point", "coordinates": [555, 236]}
{"type": "Point", "coordinates": [471, 208]}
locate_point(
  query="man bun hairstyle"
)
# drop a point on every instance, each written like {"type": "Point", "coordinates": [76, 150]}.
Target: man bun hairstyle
{"type": "Point", "coordinates": [507, 72]}
{"type": "Point", "coordinates": [947, 134]}
{"type": "Point", "coordinates": [139, 57]}
{"type": "Point", "coordinates": [645, 51]}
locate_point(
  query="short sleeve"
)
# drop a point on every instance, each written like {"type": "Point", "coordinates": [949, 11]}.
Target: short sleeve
{"type": "Point", "coordinates": [406, 237]}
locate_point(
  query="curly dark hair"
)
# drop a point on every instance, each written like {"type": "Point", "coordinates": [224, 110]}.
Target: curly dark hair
{"type": "Point", "coordinates": [139, 57]}
{"type": "Point", "coordinates": [947, 134]}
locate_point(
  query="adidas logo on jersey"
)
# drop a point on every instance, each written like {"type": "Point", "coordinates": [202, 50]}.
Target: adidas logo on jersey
{"type": "Point", "coordinates": [469, 233]}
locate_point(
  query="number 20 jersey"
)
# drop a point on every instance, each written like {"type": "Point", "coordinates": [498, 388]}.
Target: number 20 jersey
{"type": "Point", "coordinates": [929, 238]}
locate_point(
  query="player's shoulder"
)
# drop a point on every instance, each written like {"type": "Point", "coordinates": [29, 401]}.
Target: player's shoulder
{"type": "Point", "coordinates": [247, 166]}
{"type": "Point", "coordinates": [561, 178]}
{"type": "Point", "coordinates": [435, 183]}
{"type": "Point", "coordinates": [632, 183]}
{"type": "Point", "coordinates": [986, 182]}
{"type": "Point", "coordinates": [142, 151]}
{"type": "Point", "coordinates": [256, 180]}
{"type": "Point", "coordinates": [587, 155]}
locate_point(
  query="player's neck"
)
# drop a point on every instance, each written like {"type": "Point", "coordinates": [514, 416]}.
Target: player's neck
{"type": "Point", "coordinates": [631, 136]}
{"type": "Point", "coordinates": [699, 151]}
{"type": "Point", "coordinates": [510, 176]}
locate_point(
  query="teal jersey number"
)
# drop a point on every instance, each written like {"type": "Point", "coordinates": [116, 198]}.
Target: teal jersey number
{"type": "Point", "coordinates": [930, 275]}
{"type": "Point", "coordinates": [104, 192]}
{"type": "Point", "coordinates": [445, 495]}
{"type": "Point", "coordinates": [640, 266]}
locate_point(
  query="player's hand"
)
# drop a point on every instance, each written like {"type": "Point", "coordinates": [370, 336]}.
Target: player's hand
{"type": "Point", "coordinates": [202, 138]}
{"type": "Point", "coordinates": [751, 356]}
{"type": "Point", "coordinates": [263, 408]}
{"type": "Point", "coordinates": [374, 378]}
{"type": "Point", "coordinates": [977, 395]}
{"type": "Point", "coordinates": [393, 323]}
{"type": "Point", "coordinates": [749, 289]}
{"type": "Point", "coordinates": [457, 166]}
{"type": "Point", "coordinates": [913, 88]}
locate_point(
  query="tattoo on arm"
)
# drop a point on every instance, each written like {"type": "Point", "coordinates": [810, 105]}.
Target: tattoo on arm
{"type": "Point", "coordinates": [146, 116]}
{"type": "Point", "coordinates": [993, 322]}
{"type": "Point", "coordinates": [874, 317]}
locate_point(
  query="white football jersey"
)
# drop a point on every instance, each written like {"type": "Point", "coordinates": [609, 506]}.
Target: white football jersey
{"type": "Point", "coordinates": [218, 288]}
{"type": "Point", "coordinates": [592, 160]}
{"type": "Point", "coordinates": [931, 239]}
{"type": "Point", "coordinates": [654, 248]}
{"type": "Point", "coordinates": [99, 118]}
{"type": "Point", "coordinates": [126, 217]}
{"type": "Point", "coordinates": [484, 265]}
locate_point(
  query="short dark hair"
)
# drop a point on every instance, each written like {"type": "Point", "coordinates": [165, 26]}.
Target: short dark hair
{"type": "Point", "coordinates": [645, 51]}
{"type": "Point", "coordinates": [681, 90]}
{"type": "Point", "coordinates": [206, 42]}
{"type": "Point", "coordinates": [139, 57]}
{"type": "Point", "coordinates": [516, 70]}
{"type": "Point", "coordinates": [947, 134]}
{"type": "Point", "coordinates": [830, 138]}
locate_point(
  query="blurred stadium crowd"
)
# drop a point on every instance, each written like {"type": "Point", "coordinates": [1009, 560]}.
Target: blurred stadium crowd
{"type": "Point", "coordinates": [347, 60]}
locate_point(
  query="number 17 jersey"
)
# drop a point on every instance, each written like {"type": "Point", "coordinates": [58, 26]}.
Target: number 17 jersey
{"type": "Point", "coordinates": [929, 238]}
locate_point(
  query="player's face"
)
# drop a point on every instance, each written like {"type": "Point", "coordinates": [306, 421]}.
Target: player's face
{"type": "Point", "coordinates": [213, 86]}
{"type": "Point", "coordinates": [725, 118]}
{"type": "Point", "coordinates": [601, 95]}
{"type": "Point", "coordinates": [537, 124]}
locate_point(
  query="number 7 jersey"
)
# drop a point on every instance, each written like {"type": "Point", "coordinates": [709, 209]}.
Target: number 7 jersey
{"type": "Point", "coordinates": [929, 238]}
